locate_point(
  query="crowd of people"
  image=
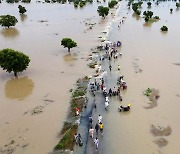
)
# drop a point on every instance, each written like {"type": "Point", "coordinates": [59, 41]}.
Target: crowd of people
{"type": "Point", "coordinates": [97, 84]}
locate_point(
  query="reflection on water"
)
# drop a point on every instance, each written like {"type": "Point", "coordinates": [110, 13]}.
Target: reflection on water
{"type": "Point", "coordinates": [147, 24]}
{"type": "Point", "coordinates": [10, 32]}
{"type": "Point", "coordinates": [19, 88]}
{"type": "Point", "coordinates": [137, 17]}
{"type": "Point", "coordinates": [70, 57]}
{"type": "Point", "coordinates": [23, 17]}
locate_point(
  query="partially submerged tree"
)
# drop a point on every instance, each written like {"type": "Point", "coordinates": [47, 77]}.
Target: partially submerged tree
{"type": "Point", "coordinates": [13, 61]}
{"type": "Point", "coordinates": [178, 4]}
{"type": "Point", "coordinates": [103, 11]}
{"type": "Point", "coordinates": [22, 9]}
{"type": "Point", "coordinates": [112, 3]}
{"type": "Point", "coordinates": [171, 10]}
{"type": "Point", "coordinates": [8, 21]}
{"type": "Point", "coordinates": [135, 7]}
{"type": "Point", "coordinates": [147, 15]}
{"type": "Point", "coordinates": [164, 28]}
{"type": "Point", "coordinates": [149, 4]}
{"type": "Point", "coordinates": [68, 43]}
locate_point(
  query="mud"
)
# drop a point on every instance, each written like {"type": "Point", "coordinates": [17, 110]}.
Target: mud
{"type": "Point", "coordinates": [153, 97]}
{"type": "Point", "coordinates": [161, 131]}
{"type": "Point", "coordinates": [161, 142]}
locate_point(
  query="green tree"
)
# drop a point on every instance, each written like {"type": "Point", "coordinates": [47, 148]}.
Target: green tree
{"type": "Point", "coordinates": [8, 20]}
{"type": "Point", "coordinates": [68, 43]}
{"type": "Point", "coordinates": [140, 3]}
{"type": "Point", "coordinates": [147, 15]}
{"type": "Point", "coordinates": [112, 3]}
{"type": "Point", "coordinates": [138, 12]}
{"type": "Point", "coordinates": [135, 6]}
{"type": "Point", "coordinates": [22, 9]}
{"type": "Point", "coordinates": [171, 10]}
{"type": "Point", "coordinates": [164, 28]}
{"type": "Point", "coordinates": [177, 5]}
{"type": "Point", "coordinates": [149, 4]}
{"type": "Point", "coordinates": [13, 61]}
{"type": "Point", "coordinates": [103, 11]}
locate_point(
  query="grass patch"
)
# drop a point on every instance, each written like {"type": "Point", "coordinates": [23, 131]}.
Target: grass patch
{"type": "Point", "coordinates": [147, 92]}
{"type": "Point", "coordinates": [66, 127]}
{"type": "Point", "coordinates": [69, 128]}
{"type": "Point", "coordinates": [67, 142]}
{"type": "Point", "coordinates": [76, 102]}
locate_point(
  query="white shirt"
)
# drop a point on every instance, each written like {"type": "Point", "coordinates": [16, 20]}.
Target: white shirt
{"type": "Point", "coordinates": [100, 118]}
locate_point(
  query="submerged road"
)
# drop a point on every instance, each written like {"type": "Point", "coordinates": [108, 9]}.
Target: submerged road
{"type": "Point", "coordinates": [110, 81]}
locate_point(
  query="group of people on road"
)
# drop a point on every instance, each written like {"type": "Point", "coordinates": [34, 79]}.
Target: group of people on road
{"type": "Point", "coordinates": [98, 85]}
{"type": "Point", "coordinates": [95, 128]}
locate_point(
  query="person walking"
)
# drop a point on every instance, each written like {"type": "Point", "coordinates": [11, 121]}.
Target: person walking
{"type": "Point", "coordinates": [110, 67]}
{"type": "Point", "coordinates": [99, 118]}
{"type": "Point", "coordinates": [96, 142]}
{"type": "Point", "coordinates": [119, 67]}
{"type": "Point", "coordinates": [91, 132]}
{"type": "Point", "coordinates": [97, 128]}
{"type": "Point", "coordinates": [101, 126]}
{"type": "Point", "coordinates": [90, 119]}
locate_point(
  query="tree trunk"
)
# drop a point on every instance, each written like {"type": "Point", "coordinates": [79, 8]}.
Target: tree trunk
{"type": "Point", "coordinates": [69, 50]}
{"type": "Point", "coordinates": [15, 74]}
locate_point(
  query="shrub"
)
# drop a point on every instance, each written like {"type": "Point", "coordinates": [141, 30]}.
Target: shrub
{"type": "Point", "coordinates": [164, 28]}
{"type": "Point", "coordinates": [112, 3]}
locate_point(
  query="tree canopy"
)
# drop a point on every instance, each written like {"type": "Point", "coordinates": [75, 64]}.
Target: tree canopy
{"type": "Point", "coordinates": [178, 4]}
{"type": "Point", "coordinates": [13, 61]}
{"type": "Point", "coordinates": [8, 21]}
{"type": "Point", "coordinates": [135, 7]}
{"type": "Point", "coordinates": [149, 4]}
{"type": "Point", "coordinates": [164, 28]}
{"type": "Point", "coordinates": [68, 43]}
{"type": "Point", "coordinates": [103, 11]}
{"type": "Point", "coordinates": [112, 3]}
{"type": "Point", "coordinates": [147, 15]}
{"type": "Point", "coordinates": [22, 9]}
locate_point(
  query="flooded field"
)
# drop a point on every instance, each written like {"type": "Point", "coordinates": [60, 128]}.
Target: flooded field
{"type": "Point", "coordinates": [52, 72]}
{"type": "Point", "coordinates": [150, 60]}
{"type": "Point", "coordinates": [147, 62]}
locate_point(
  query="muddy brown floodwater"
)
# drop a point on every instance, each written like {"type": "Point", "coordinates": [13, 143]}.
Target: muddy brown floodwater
{"type": "Point", "coordinates": [156, 52]}
{"type": "Point", "coordinates": [148, 61]}
{"type": "Point", "coordinates": [44, 87]}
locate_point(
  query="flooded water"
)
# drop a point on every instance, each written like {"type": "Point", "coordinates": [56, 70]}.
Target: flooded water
{"type": "Point", "coordinates": [52, 73]}
{"type": "Point", "coordinates": [147, 49]}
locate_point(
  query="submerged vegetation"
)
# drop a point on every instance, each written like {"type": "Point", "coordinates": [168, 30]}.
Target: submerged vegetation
{"type": "Point", "coordinates": [8, 20]}
{"type": "Point", "coordinates": [68, 43]}
{"type": "Point", "coordinates": [164, 28]}
{"type": "Point", "coordinates": [17, 1]}
{"type": "Point", "coordinates": [103, 11]}
{"type": "Point", "coordinates": [112, 3]}
{"type": "Point", "coordinates": [13, 61]}
{"type": "Point", "coordinates": [22, 9]}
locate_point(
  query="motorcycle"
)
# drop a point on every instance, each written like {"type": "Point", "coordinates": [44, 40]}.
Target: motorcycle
{"type": "Point", "coordinates": [124, 108]}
